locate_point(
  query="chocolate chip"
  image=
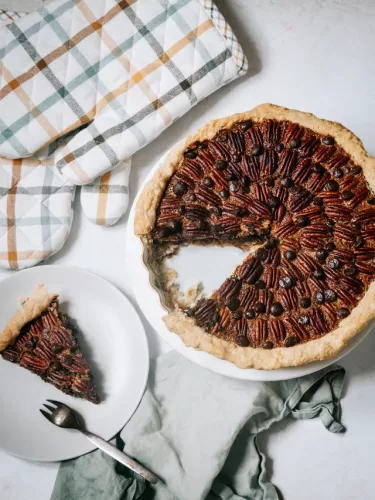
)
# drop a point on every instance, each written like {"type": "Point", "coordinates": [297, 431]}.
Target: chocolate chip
{"type": "Point", "coordinates": [236, 158]}
{"type": "Point", "coordinates": [221, 164]}
{"type": "Point", "coordinates": [182, 209]}
{"type": "Point", "coordinates": [303, 221]}
{"type": "Point", "coordinates": [222, 137]}
{"type": "Point", "coordinates": [330, 246]}
{"type": "Point", "coordinates": [162, 232]}
{"type": "Point", "coordinates": [318, 202]}
{"type": "Point", "coordinates": [191, 154]}
{"type": "Point", "coordinates": [236, 315]}
{"type": "Point", "coordinates": [271, 243]}
{"type": "Point", "coordinates": [276, 309]}
{"type": "Point", "coordinates": [330, 296]}
{"type": "Point", "coordinates": [260, 284]}
{"type": "Point", "coordinates": [55, 366]}
{"type": "Point", "coordinates": [295, 143]}
{"type": "Point", "coordinates": [290, 255]}
{"type": "Point", "coordinates": [260, 308]}
{"type": "Point", "coordinates": [269, 182]}
{"type": "Point", "coordinates": [318, 168]}
{"type": "Point", "coordinates": [304, 320]}
{"type": "Point", "coordinates": [319, 274]}
{"type": "Point", "coordinates": [347, 195]}
{"type": "Point", "coordinates": [332, 186]}
{"type": "Point", "coordinates": [328, 141]}
{"type": "Point", "coordinates": [233, 304]}
{"type": "Point", "coordinates": [246, 125]}
{"type": "Point", "coordinates": [234, 186]}
{"type": "Point", "coordinates": [250, 314]}
{"type": "Point", "coordinates": [215, 211]}
{"type": "Point", "coordinates": [279, 147]}
{"type": "Point", "coordinates": [267, 345]}
{"type": "Point", "coordinates": [246, 189]}
{"type": "Point", "coordinates": [356, 170]}
{"type": "Point", "coordinates": [338, 173]}
{"type": "Point", "coordinates": [57, 348]}
{"type": "Point", "coordinates": [29, 344]}
{"type": "Point", "coordinates": [208, 182]}
{"type": "Point", "coordinates": [192, 197]}
{"type": "Point", "coordinates": [180, 188]}
{"type": "Point", "coordinates": [224, 194]}
{"type": "Point", "coordinates": [174, 225]}
{"type": "Point", "coordinates": [286, 282]}
{"type": "Point", "coordinates": [242, 341]}
{"type": "Point", "coordinates": [261, 253]}
{"type": "Point", "coordinates": [230, 176]}
{"type": "Point", "coordinates": [203, 145]}
{"type": "Point", "coordinates": [359, 242]}
{"type": "Point", "coordinates": [305, 302]}
{"type": "Point", "coordinates": [256, 150]}
{"type": "Point", "coordinates": [321, 255]}
{"type": "Point", "coordinates": [331, 222]}
{"type": "Point", "coordinates": [350, 270]}
{"type": "Point", "coordinates": [291, 341]}
{"type": "Point", "coordinates": [355, 225]}
{"type": "Point", "coordinates": [287, 182]}
{"type": "Point", "coordinates": [241, 212]}
{"type": "Point", "coordinates": [273, 201]}
{"type": "Point", "coordinates": [334, 263]}
{"type": "Point", "coordinates": [246, 181]}
{"type": "Point", "coordinates": [343, 312]}
{"type": "Point", "coordinates": [68, 360]}
{"type": "Point", "coordinates": [371, 201]}
{"type": "Point", "coordinates": [319, 297]}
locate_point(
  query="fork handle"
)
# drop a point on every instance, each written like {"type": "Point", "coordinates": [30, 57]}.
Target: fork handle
{"type": "Point", "coordinates": [120, 456]}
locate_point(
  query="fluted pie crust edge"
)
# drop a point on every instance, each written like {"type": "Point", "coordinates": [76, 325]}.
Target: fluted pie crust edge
{"type": "Point", "coordinates": [29, 310]}
{"type": "Point", "coordinates": [193, 335]}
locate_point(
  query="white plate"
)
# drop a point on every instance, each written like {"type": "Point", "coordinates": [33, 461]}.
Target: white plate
{"type": "Point", "coordinates": [114, 342]}
{"type": "Point", "coordinates": [205, 259]}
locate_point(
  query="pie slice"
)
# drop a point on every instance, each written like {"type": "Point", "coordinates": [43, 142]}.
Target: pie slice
{"type": "Point", "coordinates": [40, 339]}
{"type": "Point", "coordinates": [298, 193]}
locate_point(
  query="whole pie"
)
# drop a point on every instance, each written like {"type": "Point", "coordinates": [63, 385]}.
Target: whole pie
{"type": "Point", "coordinates": [297, 192]}
{"type": "Point", "coordinates": [39, 338]}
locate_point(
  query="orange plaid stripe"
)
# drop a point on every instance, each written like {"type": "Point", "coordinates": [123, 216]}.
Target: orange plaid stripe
{"type": "Point", "coordinates": [52, 56]}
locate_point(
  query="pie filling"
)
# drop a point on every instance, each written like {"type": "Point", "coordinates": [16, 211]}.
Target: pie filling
{"type": "Point", "coordinates": [300, 197]}
{"type": "Point", "coordinates": [48, 347]}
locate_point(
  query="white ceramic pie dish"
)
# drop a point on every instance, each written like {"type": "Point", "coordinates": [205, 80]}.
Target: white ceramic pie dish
{"type": "Point", "coordinates": [209, 258]}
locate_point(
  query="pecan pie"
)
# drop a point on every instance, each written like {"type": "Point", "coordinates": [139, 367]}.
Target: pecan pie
{"type": "Point", "coordinates": [40, 339]}
{"type": "Point", "coordinates": [298, 191]}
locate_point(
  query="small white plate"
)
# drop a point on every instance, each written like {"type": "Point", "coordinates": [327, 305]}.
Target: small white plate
{"type": "Point", "coordinates": [213, 264]}
{"type": "Point", "coordinates": [114, 342]}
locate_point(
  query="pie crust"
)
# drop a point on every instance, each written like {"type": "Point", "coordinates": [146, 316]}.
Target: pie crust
{"type": "Point", "coordinates": [195, 336]}
{"type": "Point", "coordinates": [43, 340]}
{"type": "Point", "coordinates": [30, 309]}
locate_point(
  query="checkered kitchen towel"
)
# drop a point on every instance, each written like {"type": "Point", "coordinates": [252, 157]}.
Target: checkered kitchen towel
{"type": "Point", "coordinates": [119, 72]}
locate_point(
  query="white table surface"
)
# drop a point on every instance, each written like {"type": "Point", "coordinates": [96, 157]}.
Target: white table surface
{"type": "Point", "coordinates": [315, 56]}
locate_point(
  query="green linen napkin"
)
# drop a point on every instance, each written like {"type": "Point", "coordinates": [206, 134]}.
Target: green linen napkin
{"type": "Point", "coordinates": [197, 431]}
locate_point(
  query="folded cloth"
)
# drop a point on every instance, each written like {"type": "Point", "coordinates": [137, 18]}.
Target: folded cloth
{"type": "Point", "coordinates": [197, 431]}
{"type": "Point", "coordinates": [120, 72]}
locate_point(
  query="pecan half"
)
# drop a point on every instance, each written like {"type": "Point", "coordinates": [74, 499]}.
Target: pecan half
{"type": "Point", "coordinates": [230, 288]}
{"type": "Point", "coordinates": [276, 331]}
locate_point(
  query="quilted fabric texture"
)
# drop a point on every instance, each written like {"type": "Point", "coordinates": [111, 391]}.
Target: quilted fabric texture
{"type": "Point", "coordinates": [112, 74]}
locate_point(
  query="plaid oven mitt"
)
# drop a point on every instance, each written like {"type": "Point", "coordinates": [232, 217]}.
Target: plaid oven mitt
{"type": "Point", "coordinates": [110, 74]}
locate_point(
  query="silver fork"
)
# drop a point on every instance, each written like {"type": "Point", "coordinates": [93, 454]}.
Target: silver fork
{"type": "Point", "coordinates": [64, 416]}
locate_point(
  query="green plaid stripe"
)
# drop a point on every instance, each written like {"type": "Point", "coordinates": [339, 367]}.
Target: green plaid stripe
{"type": "Point", "coordinates": [89, 71]}
{"type": "Point", "coordinates": [147, 110]}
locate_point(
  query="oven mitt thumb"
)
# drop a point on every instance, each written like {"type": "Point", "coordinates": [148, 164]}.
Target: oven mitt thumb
{"type": "Point", "coordinates": [120, 72]}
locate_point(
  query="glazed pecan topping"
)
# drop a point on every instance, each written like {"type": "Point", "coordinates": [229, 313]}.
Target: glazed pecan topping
{"type": "Point", "coordinates": [300, 196]}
